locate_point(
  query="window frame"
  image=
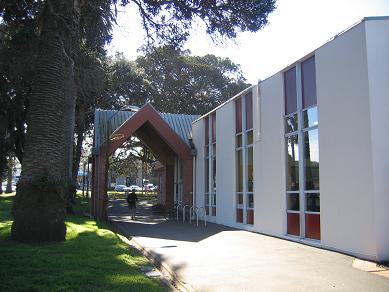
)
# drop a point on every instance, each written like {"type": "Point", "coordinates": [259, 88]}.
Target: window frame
{"type": "Point", "coordinates": [300, 132]}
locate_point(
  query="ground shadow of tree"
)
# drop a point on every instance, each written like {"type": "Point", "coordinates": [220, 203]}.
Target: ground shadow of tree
{"type": "Point", "coordinates": [91, 259]}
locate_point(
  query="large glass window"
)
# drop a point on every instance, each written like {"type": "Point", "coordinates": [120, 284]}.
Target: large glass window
{"type": "Point", "coordinates": [302, 151]}
{"type": "Point", "coordinates": [244, 160]}
{"type": "Point", "coordinates": [292, 163]}
{"type": "Point", "coordinates": [206, 165]}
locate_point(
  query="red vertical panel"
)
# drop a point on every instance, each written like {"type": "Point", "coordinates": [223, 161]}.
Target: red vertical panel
{"type": "Point", "coordinates": [238, 115]}
{"type": "Point", "coordinates": [249, 111]}
{"type": "Point", "coordinates": [239, 215]}
{"type": "Point", "coordinates": [308, 78]}
{"type": "Point", "coordinates": [312, 226]}
{"type": "Point", "coordinates": [290, 91]}
{"type": "Point", "coordinates": [213, 127]}
{"type": "Point", "coordinates": [250, 217]}
{"type": "Point", "coordinates": [206, 130]}
{"type": "Point", "coordinates": [293, 224]}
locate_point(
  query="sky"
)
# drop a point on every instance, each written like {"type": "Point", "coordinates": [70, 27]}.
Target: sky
{"type": "Point", "coordinates": [295, 29]}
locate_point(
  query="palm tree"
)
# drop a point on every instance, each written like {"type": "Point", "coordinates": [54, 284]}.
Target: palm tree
{"type": "Point", "coordinates": [38, 209]}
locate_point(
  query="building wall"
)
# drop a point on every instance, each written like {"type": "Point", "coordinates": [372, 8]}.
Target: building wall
{"type": "Point", "coordinates": [346, 180]}
{"type": "Point", "coordinates": [378, 75]}
{"type": "Point", "coordinates": [269, 160]}
{"type": "Point", "coordinates": [198, 140]}
{"type": "Point", "coordinates": [352, 98]}
{"type": "Point", "coordinates": [225, 163]}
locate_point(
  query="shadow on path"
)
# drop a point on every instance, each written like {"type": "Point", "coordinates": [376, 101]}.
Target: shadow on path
{"type": "Point", "coordinates": [152, 225]}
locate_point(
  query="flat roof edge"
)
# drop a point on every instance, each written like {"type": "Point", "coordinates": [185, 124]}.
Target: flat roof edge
{"type": "Point", "coordinates": [383, 17]}
{"type": "Point", "coordinates": [244, 91]}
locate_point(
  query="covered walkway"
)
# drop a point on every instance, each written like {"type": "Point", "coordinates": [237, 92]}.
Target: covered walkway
{"type": "Point", "coordinates": [218, 258]}
{"type": "Point", "coordinates": [168, 136]}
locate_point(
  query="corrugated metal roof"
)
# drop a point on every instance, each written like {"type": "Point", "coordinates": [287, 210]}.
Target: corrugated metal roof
{"type": "Point", "coordinates": [180, 123]}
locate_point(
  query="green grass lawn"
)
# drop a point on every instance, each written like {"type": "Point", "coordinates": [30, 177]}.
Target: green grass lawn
{"type": "Point", "coordinates": [92, 258]}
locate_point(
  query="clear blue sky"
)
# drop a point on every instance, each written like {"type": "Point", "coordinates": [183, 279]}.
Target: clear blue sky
{"type": "Point", "coordinates": [295, 28]}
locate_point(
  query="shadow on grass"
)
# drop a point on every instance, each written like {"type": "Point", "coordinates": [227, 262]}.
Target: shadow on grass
{"type": "Point", "coordinates": [92, 258]}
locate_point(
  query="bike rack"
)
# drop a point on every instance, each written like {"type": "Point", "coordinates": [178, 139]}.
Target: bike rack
{"type": "Point", "coordinates": [191, 213]}
{"type": "Point", "coordinates": [197, 215]}
{"type": "Point", "coordinates": [183, 213]}
{"type": "Point", "coordinates": [178, 205]}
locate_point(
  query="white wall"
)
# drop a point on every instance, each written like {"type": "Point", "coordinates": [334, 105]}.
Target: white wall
{"type": "Point", "coordinates": [353, 113]}
{"type": "Point", "coordinates": [377, 43]}
{"type": "Point", "coordinates": [198, 140]}
{"type": "Point", "coordinates": [225, 164]}
{"type": "Point", "coordinates": [269, 160]}
{"type": "Point", "coordinates": [346, 180]}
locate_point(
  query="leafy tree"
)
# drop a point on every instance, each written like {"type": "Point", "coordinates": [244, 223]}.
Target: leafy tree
{"type": "Point", "coordinates": [63, 27]}
{"type": "Point", "coordinates": [181, 83]}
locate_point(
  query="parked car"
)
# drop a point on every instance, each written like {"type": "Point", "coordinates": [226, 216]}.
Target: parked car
{"type": "Point", "coordinates": [13, 186]}
{"type": "Point", "coordinates": [148, 187]}
{"type": "Point", "coordinates": [130, 188]}
{"type": "Point", "coordinates": [120, 188]}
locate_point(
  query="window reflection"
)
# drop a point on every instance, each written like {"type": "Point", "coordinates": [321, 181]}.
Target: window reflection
{"type": "Point", "coordinates": [239, 163]}
{"type": "Point", "coordinates": [291, 123]}
{"type": "Point", "coordinates": [311, 161]}
{"type": "Point", "coordinates": [214, 174]}
{"type": "Point", "coordinates": [239, 199]}
{"type": "Point", "coordinates": [292, 163]}
{"type": "Point", "coordinates": [206, 175]}
{"type": "Point", "coordinates": [293, 202]}
{"type": "Point", "coordinates": [313, 202]}
{"type": "Point", "coordinates": [310, 117]}
{"type": "Point", "coordinates": [249, 137]}
{"type": "Point", "coordinates": [250, 201]}
{"type": "Point", "coordinates": [239, 140]}
{"type": "Point", "coordinates": [250, 176]}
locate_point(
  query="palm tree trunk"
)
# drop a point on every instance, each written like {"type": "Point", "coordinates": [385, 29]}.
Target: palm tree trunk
{"type": "Point", "coordinates": [39, 204]}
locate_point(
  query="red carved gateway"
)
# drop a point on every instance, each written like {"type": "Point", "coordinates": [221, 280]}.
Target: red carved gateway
{"type": "Point", "coordinates": [166, 135]}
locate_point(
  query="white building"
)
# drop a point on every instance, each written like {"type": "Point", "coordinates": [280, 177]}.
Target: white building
{"type": "Point", "coordinates": [304, 155]}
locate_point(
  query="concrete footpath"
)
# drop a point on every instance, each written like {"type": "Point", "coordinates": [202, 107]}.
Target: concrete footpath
{"type": "Point", "coordinates": [218, 258]}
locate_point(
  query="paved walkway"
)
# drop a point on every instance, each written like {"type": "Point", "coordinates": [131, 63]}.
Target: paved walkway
{"type": "Point", "coordinates": [218, 258]}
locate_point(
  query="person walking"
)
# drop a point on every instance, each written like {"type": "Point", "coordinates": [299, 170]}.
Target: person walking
{"type": "Point", "coordinates": [132, 198]}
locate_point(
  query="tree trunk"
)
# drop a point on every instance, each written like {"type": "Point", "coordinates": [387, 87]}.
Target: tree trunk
{"type": "Point", "coordinates": [39, 204]}
{"type": "Point", "coordinates": [9, 174]}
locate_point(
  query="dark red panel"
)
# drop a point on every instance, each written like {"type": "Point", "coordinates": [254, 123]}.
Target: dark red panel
{"type": "Point", "coordinates": [206, 131]}
{"type": "Point", "coordinates": [294, 224]}
{"type": "Point", "coordinates": [238, 115]}
{"type": "Point", "coordinates": [312, 226]}
{"type": "Point", "coordinates": [249, 111]}
{"type": "Point", "coordinates": [213, 127]}
{"type": "Point", "coordinates": [308, 76]}
{"type": "Point", "coordinates": [250, 217]}
{"type": "Point", "coordinates": [239, 215]}
{"type": "Point", "coordinates": [290, 91]}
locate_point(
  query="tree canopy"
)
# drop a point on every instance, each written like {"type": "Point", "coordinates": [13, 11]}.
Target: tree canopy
{"type": "Point", "coordinates": [174, 81]}
{"type": "Point", "coordinates": [65, 33]}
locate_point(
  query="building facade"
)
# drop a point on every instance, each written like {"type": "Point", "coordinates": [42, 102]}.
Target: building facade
{"type": "Point", "coordinates": [304, 154]}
